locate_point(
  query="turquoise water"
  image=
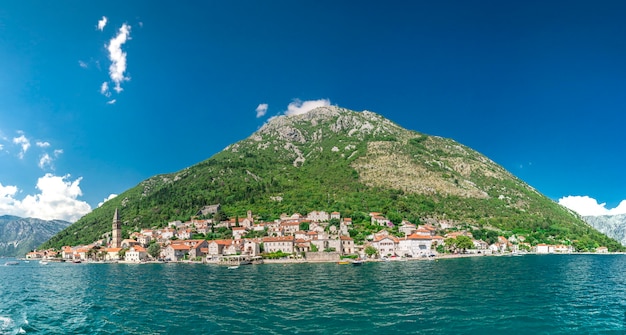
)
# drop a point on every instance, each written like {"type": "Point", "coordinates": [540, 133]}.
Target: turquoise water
{"type": "Point", "coordinates": [552, 294]}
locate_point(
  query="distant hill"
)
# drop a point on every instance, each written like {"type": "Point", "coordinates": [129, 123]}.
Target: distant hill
{"type": "Point", "coordinates": [334, 159]}
{"type": "Point", "coordinates": [613, 226]}
{"type": "Point", "coordinates": [19, 235]}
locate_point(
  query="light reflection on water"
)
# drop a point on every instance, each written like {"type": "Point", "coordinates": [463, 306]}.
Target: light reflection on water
{"type": "Point", "coordinates": [531, 294]}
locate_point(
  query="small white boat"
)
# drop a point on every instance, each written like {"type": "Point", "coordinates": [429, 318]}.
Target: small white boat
{"type": "Point", "coordinates": [357, 262]}
{"type": "Point", "coordinates": [11, 263]}
{"type": "Point", "coordinates": [233, 267]}
{"type": "Point", "coordinates": [43, 262]}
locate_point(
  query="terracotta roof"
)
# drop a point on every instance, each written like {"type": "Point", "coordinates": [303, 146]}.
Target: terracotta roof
{"type": "Point", "coordinates": [278, 239]}
{"type": "Point", "coordinates": [179, 247]}
{"type": "Point", "coordinates": [345, 238]}
{"type": "Point", "coordinates": [418, 237]}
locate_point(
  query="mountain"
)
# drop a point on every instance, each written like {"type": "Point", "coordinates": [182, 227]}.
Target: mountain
{"type": "Point", "coordinates": [19, 236]}
{"type": "Point", "coordinates": [613, 226]}
{"type": "Point", "coordinates": [334, 159]}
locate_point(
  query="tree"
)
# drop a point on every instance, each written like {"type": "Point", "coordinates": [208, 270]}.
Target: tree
{"type": "Point", "coordinates": [370, 251]}
{"type": "Point", "coordinates": [464, 242]}
{"type": "Point", "coordinates": [304, 226]}
{"type": "Point", "coordinates": [154, 250]}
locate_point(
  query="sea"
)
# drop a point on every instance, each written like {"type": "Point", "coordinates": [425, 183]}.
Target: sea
{"type": "Point", "coordinates": [532, 294]}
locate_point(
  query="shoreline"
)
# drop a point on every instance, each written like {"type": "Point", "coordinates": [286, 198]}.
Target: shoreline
{"type": "Point", "coordinates": [305, 261]}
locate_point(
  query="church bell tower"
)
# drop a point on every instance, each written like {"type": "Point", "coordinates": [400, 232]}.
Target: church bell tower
{"type": "Point", "coordinates": [116, 241]}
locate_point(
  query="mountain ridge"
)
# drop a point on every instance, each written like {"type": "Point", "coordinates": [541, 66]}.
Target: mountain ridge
{"type": "Point", "coordinates": [613, 226]}
{"type": "Point", "coordinates": [335, 159]}
{"type": "Point", "coordinates": [20, 235]}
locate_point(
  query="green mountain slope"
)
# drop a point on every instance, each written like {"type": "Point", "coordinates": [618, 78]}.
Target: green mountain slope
{"type": "Point", "coordinates": [334, 159]}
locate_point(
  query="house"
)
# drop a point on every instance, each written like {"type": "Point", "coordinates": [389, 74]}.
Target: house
{"type": "Point", "coordinates": [311, 235]}
{"type": "Point", "coordinates": [113, 254]}
{"type": "Point", "coordinates": [144, 240]}
{"type": "Point", "coordinates": [196, 248]}
{"type": "Point", "coordinates": [289, 228]}
{"type": "Point", "coordinates": [183, 234]}
{"type": "Point", "coordinates": [415, 245]}
{"type": "Point", "coordinates": [302, 245]}
{"type": "Point", "coordinates": [216, 247]}
{"type": "Point", "coordinates": [407, 228]}
{"type": "Point", "coordinates": [379, 220]}
{"type": "Point", "coordinates": [283, 243]}
{"type": "Point", "coordinates": [335, 215]}
{"type": "Point", "coordinates": [386, 245]}
{"type": "Point", "coordinates": [251, 247]}
{"type": "Point", "coordinates": [347, 221]}
{"type": "Point", "coordinates": [316, 216]}
{"type": "Point", "coordinates": [238, 232]}
{"type": "Point", "coordinates": [562, 248]}
{"type": "Point", "coordinates": [543, 248]}
{"type": "Point", "coordinates": [347, 245]}
{"type": "Point", "coordinates": [602, 250]}
{"type": "Point", "coordinates": [175, 252]}
{"type": "Point", "coordinates": [127, 243]}
{"type": "Point", "coordinates": [323, 243]}
{"type": "Point", "coordinates": [136, 254]}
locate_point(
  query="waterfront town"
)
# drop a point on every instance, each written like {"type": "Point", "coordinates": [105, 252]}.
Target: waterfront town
{"type": "Point", "coordinates": [317, 237]}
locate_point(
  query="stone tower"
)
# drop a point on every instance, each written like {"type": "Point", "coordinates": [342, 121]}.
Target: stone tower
{"type": "Point", "coordinates": [116, 240]}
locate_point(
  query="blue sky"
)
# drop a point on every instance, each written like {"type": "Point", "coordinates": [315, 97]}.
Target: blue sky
{"type": "Point", "coordinates": [91, 107]}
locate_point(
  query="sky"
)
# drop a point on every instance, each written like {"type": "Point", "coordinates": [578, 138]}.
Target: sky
{"type": "Point", "coordinates": [96, 97]}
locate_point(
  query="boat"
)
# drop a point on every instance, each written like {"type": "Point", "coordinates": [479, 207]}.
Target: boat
{"type": "Point", "coordinates": [357, 262]}
{"type": "Point", "coordinates": [43, 262]}
{"type": "Point", "coordinates": [233, 267]}
{"type": "Point", "coordinates": [76, 261]}
{"type": "Point", "coordinates": [343, 262]}
{"type": "Point", "coordinates": [11, 263]}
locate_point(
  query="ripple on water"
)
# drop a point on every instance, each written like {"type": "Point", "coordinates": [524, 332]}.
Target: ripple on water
{"type": "Point", "coordinates": [535, 294]}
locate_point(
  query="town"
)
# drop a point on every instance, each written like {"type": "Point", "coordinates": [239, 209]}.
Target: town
{"type": "Point", "coordinates": [317, 237]}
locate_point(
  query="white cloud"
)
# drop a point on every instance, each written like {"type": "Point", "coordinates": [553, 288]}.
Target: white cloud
{"type": "Point", "coordinates": [111, 196]}
{"type": "Point", "coordinates": [300, 107]}
{"type": "Point", "coordinates": [45, 160]}
{"type": "Point", "coordinates": [82, 64]}
{"type": "Point", "coordinates": [118, 57]}
{"type": "Point", "coordinates": [58, 152]}
{"type": "Point", "coordinates": [587, 206]}
{"type": "Point", "coordinates": [261, 109]}
{"type": "Point", "coordinates": [23, 142]}
{"type": "Point", "coordinates": [102, 23]}
{"type": "Point", "coordinates": [104, 89]}
{"type": "Point", "coordinates": [42, 144]}
{"type": "Point", "coordinates": [57, 200]}
{"type": "Point", "coordinates": [110, 102]}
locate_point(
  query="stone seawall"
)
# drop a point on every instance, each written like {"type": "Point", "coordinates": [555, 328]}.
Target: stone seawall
{"type": "Point", "coordinates": [322, 256]}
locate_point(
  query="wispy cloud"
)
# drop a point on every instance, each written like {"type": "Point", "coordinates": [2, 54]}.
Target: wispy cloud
{"type": "Point", "coordinates": [298, 106]}
{"type": "Point", "coordinates": [42, 144]}
{"type": "Point", "coordinates": [111, 102]}
{"type": "Point", "coordinates": [82, 64]}
{"type": "Point", "coordinates": [45, 161]}
{"type": "Point", "coordinates": [261, 110]}
{"type": "Point", "coordinates": [23, 142]}
{"type": "Point", "coordinates": [57, 199]}
{"type": "Point", "coordinates": [587, 206]}
{"type": "Point", "coordinates": [102, 23]}
{"type": "Point", "coordinates": [118, 57]}
{"type": "Point", "coordinates": [104, 89]}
